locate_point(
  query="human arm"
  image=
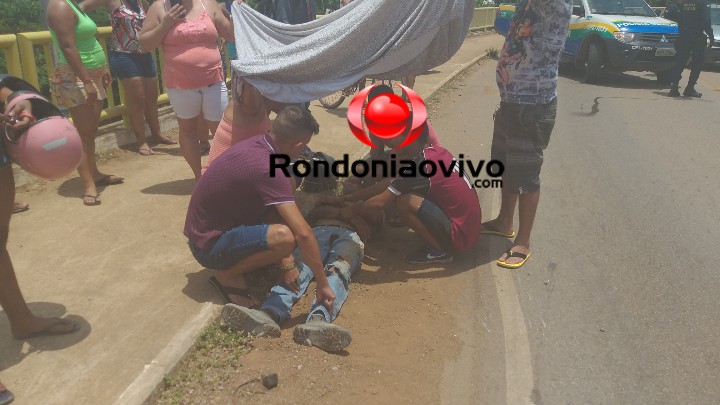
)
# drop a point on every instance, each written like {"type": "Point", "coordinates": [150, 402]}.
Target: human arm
{"type": "Point", "coordinates": [157, 24]}
{"type": "Point", "coordinates": [309, 249]}
{"type": "Point", "coordinates": [21, 113]}
{"type": "Point", "coordinates": [62, 19]}
{"type": "Point", "coordinates": [223, 25]}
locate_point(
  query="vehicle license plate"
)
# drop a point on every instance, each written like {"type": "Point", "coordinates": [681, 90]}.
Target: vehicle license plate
{"type": "Point", "coordinates": [665, 52]}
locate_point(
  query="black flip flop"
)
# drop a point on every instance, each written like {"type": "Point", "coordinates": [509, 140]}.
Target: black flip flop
{"type": "Point", "coordinates": [225, 291]}
{"type": "Point", "coordinates": [47, 331]}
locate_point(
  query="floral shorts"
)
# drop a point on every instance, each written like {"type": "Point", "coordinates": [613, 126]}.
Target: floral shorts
{"type": "Point", "coordinates": [69, 90]}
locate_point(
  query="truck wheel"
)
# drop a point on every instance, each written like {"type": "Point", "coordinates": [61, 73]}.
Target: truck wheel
{"type": "Point", "coordinates": [594, 63]}
{"type": "Point", "coordinates": [664, 77]}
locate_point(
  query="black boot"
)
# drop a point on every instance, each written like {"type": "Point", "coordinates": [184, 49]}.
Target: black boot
{"type": "Point", "coordinates": [690, 91]}
{"type": "Point", "coordinates": [674, 90]}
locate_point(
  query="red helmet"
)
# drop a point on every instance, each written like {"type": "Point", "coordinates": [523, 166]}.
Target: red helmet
{"type": "Point", "coordinates": [50, 146]}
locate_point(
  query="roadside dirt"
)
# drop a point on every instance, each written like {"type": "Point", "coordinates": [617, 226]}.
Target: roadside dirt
{"type": "Point", "coordinates": [403, 320]}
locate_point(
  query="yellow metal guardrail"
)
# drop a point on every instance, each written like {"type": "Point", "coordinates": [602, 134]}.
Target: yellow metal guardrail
{"type": "Point", "coordinates": [19, 51]}
{"type": "Point", "coordinates": [9, 46]}
{"type": "Point", "coordinates": [483, 18]}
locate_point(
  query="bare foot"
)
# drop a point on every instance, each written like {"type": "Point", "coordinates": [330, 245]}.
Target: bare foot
{"type": "Point", "coordinates": [37, 326]}
{"type": "Point", "coordinates": [145, 150]}
{"type": "Point", "coordinates": [20, 206]}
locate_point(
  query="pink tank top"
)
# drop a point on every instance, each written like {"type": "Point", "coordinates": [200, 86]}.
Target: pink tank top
{"type": "Point", "coordinates": [192, 58]}
{"type": "Point", "coordinates": [227, 135]}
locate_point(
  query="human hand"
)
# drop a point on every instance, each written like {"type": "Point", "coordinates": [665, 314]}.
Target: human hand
{"type": "Point", "coordinates": [21, 114]}
{"type": "Point", "coordinates": [361, 227]}
{"type": "Point", "coordinates": [325, 296]}
{"type": "Point", "coordinates": [106, 79]}
{"type": "Point", "coordinates": [90, 92]}
{"type": "Point", "coordinates": [175, 13]}
{"type": "Point", "coordinates": [290, 279]}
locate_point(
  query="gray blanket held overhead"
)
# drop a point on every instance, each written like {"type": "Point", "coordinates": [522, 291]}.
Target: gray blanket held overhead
{"type": "Point", "coordinates": [377, 38]}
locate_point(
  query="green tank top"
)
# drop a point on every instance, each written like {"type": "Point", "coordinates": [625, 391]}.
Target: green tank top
{"type": "Point", "coordinates": [91, 52]}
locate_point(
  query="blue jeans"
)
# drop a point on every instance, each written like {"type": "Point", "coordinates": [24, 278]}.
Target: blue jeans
{"type": "Point", "coordinates": [437, 222]}
{"type": "Point", "coordinates": [233, 246]}
{"type": "Point", "coordinates": [341, 251]}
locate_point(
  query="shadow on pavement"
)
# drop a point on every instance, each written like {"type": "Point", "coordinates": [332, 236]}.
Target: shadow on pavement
{"type": "Point", "coordinates": [175, 187]}
{"type": "Point", "coordinates": [12, 351]}
{"type": "Point", "coordinates": [645, 80]}
{"type": "Point", "coordinates": [199, 289]}
{"type": "Point", "coordinates": [384, 253]}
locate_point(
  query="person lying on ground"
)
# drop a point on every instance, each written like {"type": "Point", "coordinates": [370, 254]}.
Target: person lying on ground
{"type": "Point", "coordinates": [23, 324]}
{"type": "Point", "coordinates": [444, 211]}
{"type": "Point", "coordinates": [341, 247]}
{"type": "Point", "coordinates": [242, 219]}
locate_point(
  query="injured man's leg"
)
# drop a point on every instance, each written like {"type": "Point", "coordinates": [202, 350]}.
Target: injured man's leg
{"type": "Point", "coordinates": [342, 250]}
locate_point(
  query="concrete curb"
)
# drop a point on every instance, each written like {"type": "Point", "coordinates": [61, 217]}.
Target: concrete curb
{"type": "Point", "coordinates": [452, 76]}
{"type": "Point", "coordinates": [150, 380]}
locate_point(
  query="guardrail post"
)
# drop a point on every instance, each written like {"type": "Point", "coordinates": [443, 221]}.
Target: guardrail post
{"type": "Point", "coordinates": [27, 55]}
{"type": "Point", "coordinates": [12, 56]}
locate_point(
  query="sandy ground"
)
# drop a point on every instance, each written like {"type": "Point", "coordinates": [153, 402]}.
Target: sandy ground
{"type": "Point", "coordinates": [123, 272]}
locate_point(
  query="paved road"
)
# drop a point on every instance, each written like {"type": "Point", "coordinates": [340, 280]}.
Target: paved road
{"type": "Point", "coordinates": [618, 304]}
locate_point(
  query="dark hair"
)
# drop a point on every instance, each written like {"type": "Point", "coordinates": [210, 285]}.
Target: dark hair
{"type": "Point", "coordinates": [134, 5]}
{"type": "Point", "coordinates": [378, 90]}
{"type": "Point", "coordinates": [294, 122]}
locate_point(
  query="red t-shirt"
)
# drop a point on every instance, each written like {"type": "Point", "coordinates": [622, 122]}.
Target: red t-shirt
{"type": "Point", "coordinates": [235, 190]}
{"type": "Point", "coordinates": [454, 195]}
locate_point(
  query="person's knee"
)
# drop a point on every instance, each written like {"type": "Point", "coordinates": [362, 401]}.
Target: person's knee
{"type": "Point", "coordinates": [404, 204]}
{"type": "Point", "coordinates": [281, 238]}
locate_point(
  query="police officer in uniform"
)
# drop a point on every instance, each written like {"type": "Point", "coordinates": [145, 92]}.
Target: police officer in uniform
{"type": "Point", "coordinates": [693, 24]}
{"type": "Point", "coordinates": [672, 11]}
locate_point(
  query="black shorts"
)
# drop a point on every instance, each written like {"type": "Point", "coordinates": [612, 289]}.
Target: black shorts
{"type": "Point", "coordinates": [521, 134]}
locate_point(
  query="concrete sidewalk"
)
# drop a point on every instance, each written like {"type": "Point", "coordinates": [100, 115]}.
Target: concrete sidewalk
{"type": "Point", "coordinates": [122, 270]}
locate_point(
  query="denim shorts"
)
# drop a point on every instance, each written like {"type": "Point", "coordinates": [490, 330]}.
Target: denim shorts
{"type": "Point", "coordinates": [437, 222]}
{"type": "Point", "coordinates": [126, 65]}
{"type": "Point", "coordinates": [4, 157]}
{"type": "Point", "coordinates": [233, 246]}
{"type": "Point", "coordinates": [520, 137]}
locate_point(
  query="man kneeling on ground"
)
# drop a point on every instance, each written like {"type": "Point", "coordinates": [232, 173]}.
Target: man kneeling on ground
{"type": "Point", "coordinates": [444, 211]}
{"type": "Point", "coordinates": [342, 248]}
{"type": "Point", "coordinates": [242, 219]}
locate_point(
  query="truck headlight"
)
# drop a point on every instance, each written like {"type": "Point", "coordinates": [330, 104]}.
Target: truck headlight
{"type": "Point", "coordinates": [624, 36]}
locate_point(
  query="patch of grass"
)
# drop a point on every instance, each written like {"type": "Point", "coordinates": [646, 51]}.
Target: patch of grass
{"type": "Point", "coordinates": [206, 367]}
{"type": "Point", "coordinates": [492, 53]}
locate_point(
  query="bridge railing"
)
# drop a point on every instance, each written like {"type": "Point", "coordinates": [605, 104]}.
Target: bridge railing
{"type": "Point", "coordinates": [29, 53]}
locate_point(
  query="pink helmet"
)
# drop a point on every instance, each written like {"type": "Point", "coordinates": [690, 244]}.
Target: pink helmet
{"type": "Point", "coordinates": [50, 146]}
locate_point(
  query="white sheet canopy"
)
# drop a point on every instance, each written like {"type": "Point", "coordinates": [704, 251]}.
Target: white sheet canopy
{"type": "Point", "coordinates": [376, 38]}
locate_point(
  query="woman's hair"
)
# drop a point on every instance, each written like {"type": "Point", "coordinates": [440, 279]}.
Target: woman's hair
{"type": "Point", "coordinates": [294, 122]}
{"type": "Point", "coordinates": [134, 5]}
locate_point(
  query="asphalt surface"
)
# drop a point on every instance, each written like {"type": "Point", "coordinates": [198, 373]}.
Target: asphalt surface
{"type": "Point", "coordinates": [619, 300]}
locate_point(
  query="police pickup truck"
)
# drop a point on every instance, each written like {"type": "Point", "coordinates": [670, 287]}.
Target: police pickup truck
{"type": "Point", "coordinates": [611, 35]}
